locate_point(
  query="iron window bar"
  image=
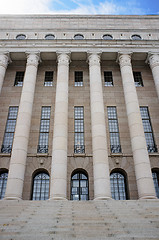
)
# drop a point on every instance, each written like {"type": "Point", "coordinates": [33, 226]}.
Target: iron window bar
{"type": "Point", "coordinates": [149, 136]}
{"type": "Point", "coordinates": [44, 130]}
{"type": "Point", "coordinates": [9, 130]}
{"type": "Point", "coordinates": [113, 130]}
{"type": "Point", "coordinates": [6, 148]}
{"type": "Point", "coordinates": [42, 149]}
{"type": "Point", "coordinates": [115, 148]}
{"type": "Point", "coordinates": [79, 148]}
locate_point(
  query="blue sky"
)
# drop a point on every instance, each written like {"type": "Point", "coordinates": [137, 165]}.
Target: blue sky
{"type": "Point", "coordinates": [79, 6]}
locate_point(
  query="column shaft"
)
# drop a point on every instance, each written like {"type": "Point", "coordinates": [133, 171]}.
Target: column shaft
{"type": "Point", "coordinates": [20, 144]}
{"type": "Point", "coordinates": [154, 64]}
{"type": "Point", "coordinates": [143, 173]}
{"type": "Point", "coordinates": [99, 143]}
{"type": "Point", "coordinates": [58, 188]}
{"type": "Point", "coordinates": [3, 66]}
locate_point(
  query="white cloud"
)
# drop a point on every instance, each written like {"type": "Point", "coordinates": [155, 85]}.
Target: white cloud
{"type": "Point", "coordinates": [44, 7]}
{"type": "Point", "coordinates": [24, 6]}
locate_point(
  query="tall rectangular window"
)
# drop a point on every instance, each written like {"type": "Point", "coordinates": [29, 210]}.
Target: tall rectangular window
{"type": "Point", "coordinates": [151, 146]}
{"type": "Point", "coordinates": [79, 79]}
{"type": "Point", "coordinates": [79, 130]}
{"type": "Point", "coordinates": [44, 130]}
{"type": "Point", "coordinates": [48, 78]}
{"type": "Point", "coordinates": [108, 79]}
{"type": "Point", "coordinates": [9, 130]}
{"type": "Point", "coordinates": [138, 79]}
{"type": "Point", "coordinates": [113, 130]}
{"type": "Point", "coordinates": [19, 79]}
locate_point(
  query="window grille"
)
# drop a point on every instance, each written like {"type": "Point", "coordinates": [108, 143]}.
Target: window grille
{"type": "Point", "coordinates": [21, 37]}
{"type": "Point", "coordinates": [41, 186]}
{"type": "Point", "coordinates": [118, 186]}
{"type": "Point", "coordinates": [50, 37]}
{"type": "Point", "coordinates": [136, 37]}
{"type": "Point", "coordinates": [108, 79]}
{"type": "Point", "coordinates": [79, 130]}
{"type": "Point", "coordinates": [9, 130]}
{"type": "Point", "coordinates": [79, 187]}
{"type": "Point", "coordinates": [44, 130]}
{"type": "Point", "coordinates": [138, 79]}
{"type": "Point", "coordinates": [151, 146]}
{"type": "Point", "coordinates": [19, 77]}
{"type": "Point", "coordinates": [79, 79]}
{"type": "Point", "coordinates": [3, 184]}
{"type": "Point", "coordinates": [107, 37]}
{"type": "Point", "coordinates": [113, 130]}
{"type": "Point", "coordinates": [48, 78]}
{"type": "Point", "coordinates": [78, 37]}
{"type": "Point", "coordinates": [155, 176]}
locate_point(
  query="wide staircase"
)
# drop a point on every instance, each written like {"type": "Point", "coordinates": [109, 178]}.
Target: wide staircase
{"type": "Point", "coordinates": [68, 220]}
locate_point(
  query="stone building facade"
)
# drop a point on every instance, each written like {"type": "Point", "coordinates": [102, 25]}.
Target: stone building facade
{"type": "Point", "coordinates": [79, 108]}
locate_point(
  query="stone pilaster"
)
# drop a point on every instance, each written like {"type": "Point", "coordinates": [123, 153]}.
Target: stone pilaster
{"type": "Point", "coordinates": [4, 60]}
{"type": "Point", "coordinates": [99, 143]}
{"type": "Point", "coordinates": [58, 189]}
{"type": "Point", "coordinates": [153, 60]}
{"type": "Point", "coordinates": [20, 144]}
{"type": "Point", "coordinates": [143, 173]}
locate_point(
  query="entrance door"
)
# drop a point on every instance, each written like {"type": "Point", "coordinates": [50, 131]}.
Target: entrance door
{"type": "Point", "coordinates": [79, 186]}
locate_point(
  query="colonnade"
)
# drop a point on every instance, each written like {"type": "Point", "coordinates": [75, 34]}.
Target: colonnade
{"type": "Point", "coordinates": [58, 188]}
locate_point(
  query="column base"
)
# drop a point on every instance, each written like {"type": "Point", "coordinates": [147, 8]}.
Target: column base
{"type": "Point", "coordinates": [102, 198]}
{"type": "Point", "coordinates": [12, 198]}
{"type": "Point", "coordinates": [58, 198]}
{"type": "Point", "coordinates": [148, 198]}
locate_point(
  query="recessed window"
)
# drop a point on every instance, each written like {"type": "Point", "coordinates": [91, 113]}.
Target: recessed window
{"type": "Point", "coordinates": [9, 130]}
{"type": "Point", "coordinates": [79, 130]}
{"type": "Point", "coordinates": [19, 79]}
{"type": "Point", "coordinates": [118, 186]}
{"type": "Point", "coordinates": [151, 146]}
{"type": "Point", "coordinates": [108, 79]}
{"type": "Point", "coordinates": [78, 37]}
{"type": "Point", "coordinates": [44, 130]}
{"type": "Point", "coordinates": [136, 37]}
{"type": "Point", "coordinates": [155, 175]}
{"type": "Point", "coordinates": [78, 79]}
{"type": "Point", "coordinates": [107, 37]}
{"type": "Point", "coordinates": [41, 186]}
{"type": "Point", "coordinates": [79, 186]}
{"type": "Point", "coordinates": [50, 37]}
{"type": "Point", "coordinates": [138, 79]}
{"type": "Point", "coordinates": [3, 184]}
{"type": "Point", "coordinates": [48, 78]}
{"type": "Point", "coordinates": [113, 130]}
{"type": "Point", "coordinates": [21, 37]}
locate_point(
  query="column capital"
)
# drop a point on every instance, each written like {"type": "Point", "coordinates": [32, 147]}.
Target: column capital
{"type": "Point", "coordinates": [33, 58]}
{"type": "Point", "coordinates": [4, 59]}
{"type": "Point", "coordinates": [153, 59]}
{"type": "Point", "coordinates": [124, 59]}
{"type": "Point", "coordinates": [63, 58]}
{"type": "Point", "coordinates": [94, 58]}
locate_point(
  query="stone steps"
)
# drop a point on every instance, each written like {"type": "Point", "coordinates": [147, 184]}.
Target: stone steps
{"type": "Point", "coordinates": [92, 220]}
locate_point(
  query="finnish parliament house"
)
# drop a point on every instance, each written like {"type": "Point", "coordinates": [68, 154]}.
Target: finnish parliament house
{"type": "Point", "coordinates": [79, 107]}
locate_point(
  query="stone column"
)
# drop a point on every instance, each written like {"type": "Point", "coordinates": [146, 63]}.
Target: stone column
{"type": "Point", "coordinates": [4, 59]}
{"type": "Point", "coordinates": [143, 173]}
{"type": "Point", "coordinates": [20, 144]}
{"type": "Point", "coordinates": [153, 60]}
{"type": "Point", "coordinates": [58, 188]}
{"type": "Point", "coordinates": [99, 142]}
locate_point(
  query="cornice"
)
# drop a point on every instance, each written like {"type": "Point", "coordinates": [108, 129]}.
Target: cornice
{"type": "Point", "coordinates": [101, 16]}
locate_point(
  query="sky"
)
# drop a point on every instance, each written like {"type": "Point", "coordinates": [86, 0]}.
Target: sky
{"type": "Point", "coordinates": [130, 7]}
